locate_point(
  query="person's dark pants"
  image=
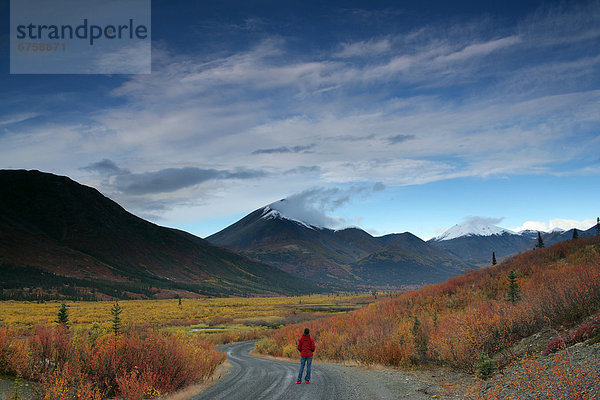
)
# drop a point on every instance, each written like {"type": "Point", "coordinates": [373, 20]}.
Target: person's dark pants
{"type": "Point", "coordinates": [308, 362]}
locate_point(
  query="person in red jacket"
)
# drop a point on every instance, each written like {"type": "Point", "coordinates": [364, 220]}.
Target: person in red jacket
{"type": "Point", "coordinates": [306, 347]}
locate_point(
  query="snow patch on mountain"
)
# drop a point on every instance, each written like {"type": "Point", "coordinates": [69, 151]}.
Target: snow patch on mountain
{"type": "Point", "coordinates": [528, 233]}
{"type": "Point", "coordinates": [474, 226]}
{"type": "Point", "coordinates": [269, 213]}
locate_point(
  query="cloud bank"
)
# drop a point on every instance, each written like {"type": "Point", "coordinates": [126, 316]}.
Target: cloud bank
{"type": "Point", "coordinates": [166, 180]}
{"type": "Point", "coordinates": [314, 206]}
{"type": "Point", "coordinates": [481, 221]}
{"type": "Point", "coordinates": [564, 224]}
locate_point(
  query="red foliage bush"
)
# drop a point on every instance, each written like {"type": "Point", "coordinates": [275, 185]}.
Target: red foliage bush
{"type": "Point", "coordinates": [583, 333]}
{"type": "Point", "coordinates": [133, 366]}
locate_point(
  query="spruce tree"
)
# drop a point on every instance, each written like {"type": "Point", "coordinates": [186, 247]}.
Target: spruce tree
{"type": "Point", "coordinates": [514, 291]}
{"type": "Point", "coordinates": [575, 234]}
{"type": "Point", "coordinates": [116, 311]}
{"type": "Point", "coordinates": [62, 318]}
{"type": "Point", "coordinates": [598, 226]}
{"type": "Point", "coordinates": [420, 339]}
{"type": "Point", "coordinates": [494, 258]}
{"type": "Point", "coordinates": [540, 243]}
{"type": "Point", "coordinates": [416, 328]}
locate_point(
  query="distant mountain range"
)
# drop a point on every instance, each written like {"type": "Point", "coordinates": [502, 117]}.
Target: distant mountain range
{"type": "Point", "coordinates": [60, 238]}
{"type": "Point", "coordinates": [353, 257]}
{"type": "Point", "coordinates": [350, 257]}
{"type": "Point", "coordinates": [475, 243]}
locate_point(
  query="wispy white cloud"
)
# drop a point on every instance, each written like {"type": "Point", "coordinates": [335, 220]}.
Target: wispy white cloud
{"type": "Point", "coordinates": [125, 60]}
{"type": "Point", "coordinates": [477, 50]}
{"type": "Point", "coordinates": [557, 223]}
{"type": "Point", "coordinates": [364, 48]}
{"type": "Point", "coordinates": [15, 119]}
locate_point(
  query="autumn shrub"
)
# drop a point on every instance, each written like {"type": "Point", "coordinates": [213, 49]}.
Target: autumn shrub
{"type": "Point", "coordinates": [581, 334]}
{"type": "Point", "coordinates": [290, 350]}
{"type": "Point", "coordinates": [66, 381]}
{"type": "Point", "coordinates": [136, 385]}
{"type": "Point", "coordinates": [556, 344]}
{"type": "Point", "coordinates": [268, 346]}
{"type": "Point", "coordinates": [50, 346]}
{"type": "Point", "coordinates": [5, 336]}
{"type": "Point", "coordinates": [133, 366]}
{"type": "Point", "coordinates": [219, 320]}
{"type": "Point", "coordinates": [17, 357]}
{"type": "Point", "coordinates": [230, 336]}
{"type": "Point", "coordinates": [157, 363]}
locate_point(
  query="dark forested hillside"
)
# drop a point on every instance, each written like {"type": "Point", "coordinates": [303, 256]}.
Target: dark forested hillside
{"type": "Point", "coordinates": [96, 247]}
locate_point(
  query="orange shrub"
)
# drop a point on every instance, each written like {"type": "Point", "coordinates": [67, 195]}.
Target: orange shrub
{"type": "Point", "coordinates": [134, 366]}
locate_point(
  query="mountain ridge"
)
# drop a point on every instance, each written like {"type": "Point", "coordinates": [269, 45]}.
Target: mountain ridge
{"type": "Point", "coordinates": [55, 224]}
{"type": "Point", "coordinates": [348, 256]}
{"type": "Point", "coordinates": [478, 249]}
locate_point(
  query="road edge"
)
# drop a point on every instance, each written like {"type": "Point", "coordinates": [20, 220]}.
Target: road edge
{"type": "Point", "coordinates": [188, 392]}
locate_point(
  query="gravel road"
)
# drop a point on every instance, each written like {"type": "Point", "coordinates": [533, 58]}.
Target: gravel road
{"type": "Point", "coordinates": [258, 378]}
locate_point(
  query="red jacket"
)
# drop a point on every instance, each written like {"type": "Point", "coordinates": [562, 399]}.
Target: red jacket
{"type": "Point", "coordinates": [306, 346]}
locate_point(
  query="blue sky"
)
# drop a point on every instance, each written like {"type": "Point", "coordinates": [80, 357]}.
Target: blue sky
{"type": "Point", "coordinates": [393, 116]}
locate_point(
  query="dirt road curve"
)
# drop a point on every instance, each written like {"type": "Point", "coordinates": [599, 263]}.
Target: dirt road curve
{"type": "Point", "coordinates": [254, 378]}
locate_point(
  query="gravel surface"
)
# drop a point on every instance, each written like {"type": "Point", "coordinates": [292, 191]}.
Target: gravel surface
{"type": "Point", "coordinates": [260, 378]}
{"type": "Point", "coordinates": [572, 373]}
{"type": "Point", "coordinates": [7, 389]}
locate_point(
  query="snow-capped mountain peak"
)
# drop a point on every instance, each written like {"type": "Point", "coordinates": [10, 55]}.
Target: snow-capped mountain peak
{"type": "Point", "coordinates": [270, 213]}
{"type": "Point", "coordinates": [472, 228]}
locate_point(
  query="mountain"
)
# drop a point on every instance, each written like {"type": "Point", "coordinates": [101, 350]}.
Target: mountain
{"type": "Point", "coordinates": [472, 228]}
{"type": "Point", "coordinates": [350, 257]}
{"type": "Point", "coordinates": [478, 249]}
{"type": "Point", "coordinates": [57, 236]}
{"type": "Point", "coordinates": [408, 259]}
{"type": "Point", "coordinates": [557, 235]}
{"type": "Point", "coordinates": [474, 242]}
{"type": "Point", "coordinates": [293, 246]}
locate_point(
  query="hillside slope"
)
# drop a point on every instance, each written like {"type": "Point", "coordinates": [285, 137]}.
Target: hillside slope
{"type": "Point", "coordinates": [51, 223]}
{"type": "Point", "coordinates": [408, 259]}
{"type": "Point", "coordinates": [457, 322]}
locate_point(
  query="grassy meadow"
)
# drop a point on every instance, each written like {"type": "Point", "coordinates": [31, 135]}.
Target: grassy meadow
{"type": "Point", "coordinates": [189, 315]}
